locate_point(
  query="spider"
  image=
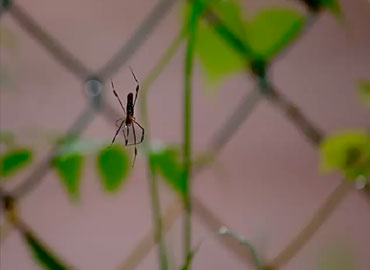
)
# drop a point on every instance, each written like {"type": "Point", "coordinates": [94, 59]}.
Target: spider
{"type": "Point", "coordinates": [129, 119]}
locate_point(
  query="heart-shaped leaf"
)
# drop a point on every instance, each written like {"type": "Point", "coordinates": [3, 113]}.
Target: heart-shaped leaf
{"type": "Point", "coordinates": [167, 162]}
{"type": "Point", "coordinates": [272, 29]}
{"type": "Point", "coordinates": [69, 169]}
{"type": "Point", "coordinates": [13, 160]}
{"type": "Point", "coordinates": [229, 44]}
{"type": "Point", "coordinates": [218, 58]}
{"type": "Point", "coordinates": [113, 166]}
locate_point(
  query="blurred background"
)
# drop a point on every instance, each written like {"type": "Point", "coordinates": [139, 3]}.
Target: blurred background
{"type": "Point", "coordinates": [265, 183]}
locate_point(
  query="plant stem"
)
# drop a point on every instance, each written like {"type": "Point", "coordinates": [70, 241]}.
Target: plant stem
{"type": "Point", "coordinates": [189, 57]}
{"type": "Point", "coordinates": [157, 220]}
{"type": "Point", "coordinates": [155, 235]}
{"type": "Point", "coordinates": [151, 175]}
{"type": "Point", "coordinates": [187, 149]}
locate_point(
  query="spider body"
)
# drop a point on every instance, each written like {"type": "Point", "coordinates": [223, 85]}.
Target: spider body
{"type": "Point", "coordinates": [129, 120]}
{"type": "Point", "coordinates": [129, 109]}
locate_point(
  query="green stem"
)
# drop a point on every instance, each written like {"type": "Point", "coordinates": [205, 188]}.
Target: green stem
{"type": "Point", "coordinates": [189, 57]}
{"type": "Point", "coordinates": [157, 220]}
{"type": "Point", "coordinates": [151, 175]}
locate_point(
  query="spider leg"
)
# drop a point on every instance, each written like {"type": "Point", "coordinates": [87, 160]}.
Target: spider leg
{"type": "Point", "coordinates": [137, 85]}
{"type": "Point", "coordinates": [128, 133]}
{"type": "Point", "coordinates": [119, 128]}
{"type": "Point", "coordinates": [142, 134]}
{"type": "Point", "coordinates": [115, 93]}
{"type": "Point", "coordinates": [118, 121]}
{"type": "Point", "coordinates": [135, 150]}
{"type": "Point", "coordinates": [124, 135]}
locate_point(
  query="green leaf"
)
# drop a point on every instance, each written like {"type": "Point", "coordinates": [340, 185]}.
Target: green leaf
{"type": "Point", "coordinates": [216, 55]}
{"type": "Point", "coordinates": [166, 161]}
{"type": "Point", "coordinates": [13, 160]}
{"type": "Point", "coordinates": [348, 152]}
{"type": "Point", "coordinates": [272, 29]}
{"type": "Point", "coordinates": [363, 87]}
{"type": "Point", "coordinates": [42, 254]}
{"type": "Point", "coordinates": [331, 5]}
{"type": "Point", "coordinates": [229, 46]}
{"type": "Point", "coordinates": [113, 166]}
{"type": "Point", "coordinates": [69, 168]}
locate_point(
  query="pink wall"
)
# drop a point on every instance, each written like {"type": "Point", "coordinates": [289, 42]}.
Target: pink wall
{"type": "Point", "coordinates": [269, 185]}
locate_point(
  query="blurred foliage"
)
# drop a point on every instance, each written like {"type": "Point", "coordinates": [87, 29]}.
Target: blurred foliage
{"type": "Point", "coordinates": [69, 169]}
{"type": "Point", "coordinates": [261, 37]}
{"type": "Point", "coordinates": [217, 57]}
{"type": "Point", "coordinates": [42, 254]}
{"type": "Point", "coordinates": [167, 162]}
{"type": "Point", "coordinates": [331, 5]}
{"type": "Point", "coordinates": [363, 87]}
{"type": "Point", "coordinates": [68, 161]}
{"type": "Point", "coordinates": [335, 256]}
{"type": "Point", "coordinates": [348, 152]}
{"type": "Point", "coordinates": [13, 160]}
{"type": "Point", "coordinates": [271, 30]}
{"type": "Point", "coordinates": [113, 166]}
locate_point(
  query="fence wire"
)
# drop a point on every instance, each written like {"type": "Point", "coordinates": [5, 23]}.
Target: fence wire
{"type": "Point", "coordinates": [95, 103]}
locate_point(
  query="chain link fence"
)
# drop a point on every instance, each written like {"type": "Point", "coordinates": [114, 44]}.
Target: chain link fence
{"type": "Point", "coordinates": [95, 103]}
